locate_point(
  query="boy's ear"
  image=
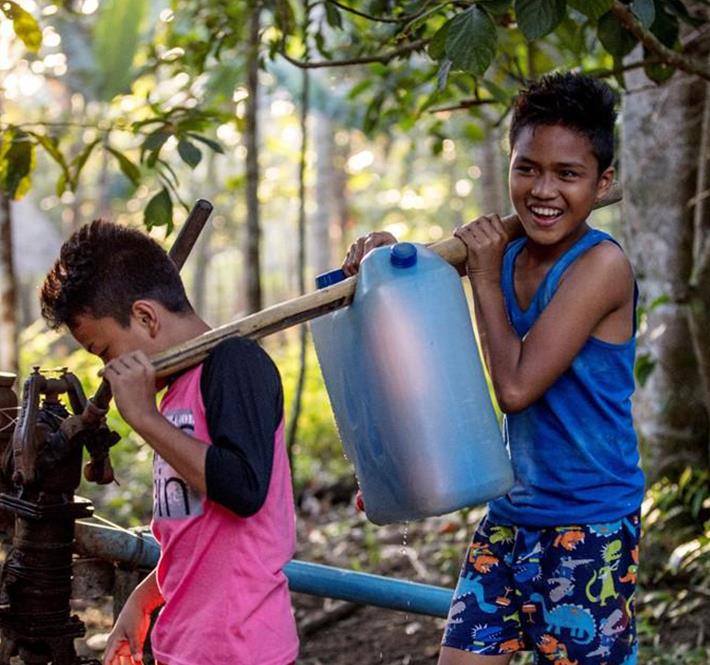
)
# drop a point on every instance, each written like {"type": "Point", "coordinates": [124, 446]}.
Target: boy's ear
{"type": "Point", "coordinates": [146, 316]}
{"type": "Point", "coordinates": [605, 181]}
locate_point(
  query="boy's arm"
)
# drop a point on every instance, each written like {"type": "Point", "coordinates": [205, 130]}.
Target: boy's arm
{"type": "Point", "coordinates": [128, 634]}
{"type": "Point", "coordinates": [132, 379]}
{"type": "Point", "coordinates": [243, 398]}
{"type": "Point", "coordinates": [599, 284]}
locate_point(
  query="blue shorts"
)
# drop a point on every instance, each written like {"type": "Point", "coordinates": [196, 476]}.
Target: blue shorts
{"type": "Point", "coordinates": [566, 593]}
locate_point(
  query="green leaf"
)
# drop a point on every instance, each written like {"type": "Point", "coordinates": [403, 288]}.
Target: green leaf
{"type": "Point", "coordinates": [321, 45]}
{"type": "Point", "coordinates": [223, 79]}
{"type": "Point", "coordinates": [645, 12]}
{"type": "Point", "coordinates": [658, 72]}
{"type": "Point", "coordinates": [153, 144]}
{"type": "Point", "coordinates": [500, 95]}
{"type": "Point", "coordinates": [159, 211]}
{"type": "Point", "coordinates": [17, 161]}
{"type": "Point", "coordinates": [50, 146]}
{"type": "Point", "coordinates": [79, 161]}
{"type": "Point", "coordinates": [359, 87]}
{"type": "Point", "coordinates": [594, 9]}
{"type": "Point", "coordinates": [116, 40]}
{"type": "Point", "coordinates": [657, 302]}
{"type": "Point", "coordinates": [373, 112]}
{"type": "Point", "coordinates": [495, 7]}
{"type": "Point", "coordinates": [643, 369]}
{"type": "Point", "coordinates": [471, 41]}
{"type": "Point", "coordinates": [61, 186]}
{"type": "Point", "coordinates": [437, 45]}
{"type": "Point", "coordinates": [537, 18]}
{"type": "Point", "coordinates": [128, 168]}
{"type": "Point", "coordinates": [24, 25]}
{"type": "Point", "coordinates": [666, 27]}
{"type": "Point", "coordinates": [332, 15]}
{"type": "Point", "coordinates": [613, 37]}
{"type": "Point", "coordinates": [216, 147]}
{"type": "Point", "coordinates": [473, 132]}
{"type": "Point", "coordinates": [685, 477]}
{"type": "Point", "coordinates": [189, 153]}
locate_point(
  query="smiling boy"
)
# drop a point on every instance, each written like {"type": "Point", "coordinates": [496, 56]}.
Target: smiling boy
{"type": "Point", "coordinates": [555, 315]}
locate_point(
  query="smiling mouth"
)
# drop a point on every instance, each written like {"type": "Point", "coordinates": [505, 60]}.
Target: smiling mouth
{"type": "Point", "coordinates": [545, 215]}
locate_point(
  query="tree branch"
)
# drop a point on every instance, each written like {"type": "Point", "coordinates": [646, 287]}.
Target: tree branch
{"type": "Point", "coordinates": [464, 104]}
{"type": "Point", "coordinates": [378, 19]}
{"type": "Point", "coordinates": [670, 57]}
{"type": "Point", "coordinates": [383, 57]}
{"type": "Point", "coordinates": [606, 73]}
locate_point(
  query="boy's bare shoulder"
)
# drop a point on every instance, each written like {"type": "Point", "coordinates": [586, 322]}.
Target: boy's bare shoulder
{"type": "Point", "coordinates": [604, 266]}
{"type": "Point", "coordinates": [606, 259]}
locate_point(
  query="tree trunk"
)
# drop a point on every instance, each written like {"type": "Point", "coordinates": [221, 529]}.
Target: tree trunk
{"type": "Point", "coordinates": [699, 296]}
{"type": "Point", "coordinates": [343, 221]}
{"type": "Point", "coordinates": [252, 263]}
{"type": "Point", "coordinates": [103, 202]}
{"type": "Point", "coordinates": [493, 186]}
{"type": "Point", "coordinates": [303, 337]}
{"type": "Point", "coordinates": [325, 190]}
{"type": "Point", "coordinates": [203, 253]}
{"type": "Point", "coordinates": [661, 135]}
{"type": "Point", "coordinates": [8, 291]}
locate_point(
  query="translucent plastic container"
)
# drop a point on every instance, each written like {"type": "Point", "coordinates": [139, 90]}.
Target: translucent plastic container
{"type": "Point", "coordinates": [406, 384]}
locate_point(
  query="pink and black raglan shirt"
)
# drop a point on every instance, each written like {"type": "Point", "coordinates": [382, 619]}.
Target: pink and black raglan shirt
{"type": "Point", "coordinates": [220, 569]}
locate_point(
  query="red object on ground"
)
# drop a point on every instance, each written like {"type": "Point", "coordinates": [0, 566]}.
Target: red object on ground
{"type": "Point", "coordinates": [359, 503]}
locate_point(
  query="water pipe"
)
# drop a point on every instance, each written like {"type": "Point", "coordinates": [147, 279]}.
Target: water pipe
{"type": "Point", "coordinates": [138, 549]}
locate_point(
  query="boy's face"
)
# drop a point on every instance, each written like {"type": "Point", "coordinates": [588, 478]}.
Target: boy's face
{"type": "Point", "coordinates": [554, 182]}
{"type": "Point", "coordinates": [107, 338]}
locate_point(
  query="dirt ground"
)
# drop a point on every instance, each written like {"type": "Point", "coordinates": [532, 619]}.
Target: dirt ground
{"type": "Point", "coordinates": [335, 632]}
{"type": "Point", "coordinates": [369, 635]}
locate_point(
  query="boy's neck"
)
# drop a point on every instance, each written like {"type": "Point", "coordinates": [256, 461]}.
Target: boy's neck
{"type": "Point", "coordinates": [180, 328]}
{"type": "Point", "coordinates": [544, 254]}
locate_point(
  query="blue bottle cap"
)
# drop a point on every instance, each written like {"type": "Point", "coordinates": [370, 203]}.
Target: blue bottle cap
{"type": "Point", "coordinates": [403, 255]}
{"type": "Point", "coordinates": [329, 278]}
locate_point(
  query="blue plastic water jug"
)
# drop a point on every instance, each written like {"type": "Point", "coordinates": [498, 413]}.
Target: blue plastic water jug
{"type": "Point", "coordinates": [404, 377]}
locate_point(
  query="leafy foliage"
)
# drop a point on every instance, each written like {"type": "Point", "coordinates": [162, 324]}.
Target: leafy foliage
{"type": "Point", "coordinates": [17, 160]}
{"type": "Point", "coordinates": [24, 24]}
{"type": "Point", "coordinates": [117, 35]}
{"type": "Point", "coordinates": [422, 58]}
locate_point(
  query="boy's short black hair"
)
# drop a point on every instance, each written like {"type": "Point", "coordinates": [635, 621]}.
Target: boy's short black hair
{"type": "Point", "coordinates": [103, 269]}
{"type": "Point", "coordinates": [575, 101]}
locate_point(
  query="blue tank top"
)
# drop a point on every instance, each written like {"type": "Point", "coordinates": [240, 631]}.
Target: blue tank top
{"type": "Point", "coordinates": [574, 450]}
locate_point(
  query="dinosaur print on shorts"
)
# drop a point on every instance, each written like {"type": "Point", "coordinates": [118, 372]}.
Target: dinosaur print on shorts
{"type": "Point", "coordinates": [566, 593]}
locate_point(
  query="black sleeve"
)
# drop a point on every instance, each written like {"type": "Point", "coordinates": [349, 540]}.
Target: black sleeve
{"type": "Point", "coordinates": [241, 390]}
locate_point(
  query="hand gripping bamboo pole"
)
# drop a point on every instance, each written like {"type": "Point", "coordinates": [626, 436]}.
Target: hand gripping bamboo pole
{"type": "Point", "coordinates": [189, 233]}
{"type": "Point", "coordinates": [306, 307]}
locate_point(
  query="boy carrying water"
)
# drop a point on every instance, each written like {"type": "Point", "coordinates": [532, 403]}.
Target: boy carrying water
{"type": "Point", "coordinates": [223, 504]}
{"type": "Point", "coordinates": [555, 314]}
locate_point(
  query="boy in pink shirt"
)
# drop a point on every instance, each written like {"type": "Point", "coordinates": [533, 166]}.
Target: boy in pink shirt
{"type": "Point", "coordinates": [223, 505]}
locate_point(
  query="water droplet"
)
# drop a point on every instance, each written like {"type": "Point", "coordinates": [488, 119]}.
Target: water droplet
{"type": "Point", "coordinates": [405, 535]}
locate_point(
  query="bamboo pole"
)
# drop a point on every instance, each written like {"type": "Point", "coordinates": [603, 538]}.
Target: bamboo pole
{"type": "Point", "coordinates": [306, 307]}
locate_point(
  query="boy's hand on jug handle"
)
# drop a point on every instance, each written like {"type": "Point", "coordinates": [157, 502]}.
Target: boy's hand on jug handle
{"type": "Point", "coordinates": [360, 248]}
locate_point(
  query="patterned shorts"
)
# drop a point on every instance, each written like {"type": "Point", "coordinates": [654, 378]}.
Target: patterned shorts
{"type": "Point", "coordinates": [564, 592]}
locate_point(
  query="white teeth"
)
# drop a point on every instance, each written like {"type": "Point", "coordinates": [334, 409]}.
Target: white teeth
{"type": "Point", "coordinates": [545, 212]}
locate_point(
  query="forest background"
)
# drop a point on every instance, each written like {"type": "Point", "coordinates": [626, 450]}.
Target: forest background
{"type": "Point", "coordinates": [307, 124]}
